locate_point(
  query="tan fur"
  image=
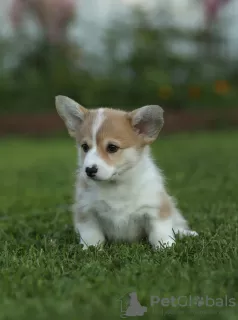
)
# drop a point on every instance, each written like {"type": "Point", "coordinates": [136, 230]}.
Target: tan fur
{"type": "Point", "coordinates": [84, 131]}
{"type": "Point", "coordinates": [166, 206]}
{"type": "Point", "coordinates": [115, 129]}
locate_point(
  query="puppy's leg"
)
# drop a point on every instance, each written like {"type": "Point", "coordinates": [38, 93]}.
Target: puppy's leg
{"type": "Point", "coordinates": [160, 232]}
{"type": "Point", "coordinates": [160, 229]}
{"type": "Point", "coordinates": [180, 225]}
{"type": "Point", "coordinates": [185, 233]}
{"type": "Point", "coordinates": [89, 230]}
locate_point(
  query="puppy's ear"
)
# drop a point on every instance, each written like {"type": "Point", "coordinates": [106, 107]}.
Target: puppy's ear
{"type": "Point", "coordinates": [147, 122]}
{"type": "Point", "coordinates": [71, 112]}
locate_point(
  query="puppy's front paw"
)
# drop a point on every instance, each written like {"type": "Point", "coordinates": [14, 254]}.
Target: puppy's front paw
{"type": "Point", "coordinates": [163, 244]}
{"type": "Point", "coordinates": [98, 246]}
{"type": "Point", "coordinates": [192, 233]}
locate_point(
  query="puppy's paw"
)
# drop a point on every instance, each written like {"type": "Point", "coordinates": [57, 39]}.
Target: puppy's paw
{"type": "Point", "coordinates": [163, 244]}
{"type": "Point", "coordinates": [98, 247]}
{"type": "Point", "coordinates": [187, 233]}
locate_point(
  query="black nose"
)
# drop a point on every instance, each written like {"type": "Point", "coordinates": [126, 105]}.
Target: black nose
{"type": "Point", "coordinates": [91, 171]}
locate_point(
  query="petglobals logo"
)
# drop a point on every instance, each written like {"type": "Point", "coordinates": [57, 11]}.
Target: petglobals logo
{"type": "Point", "coordinates": [132, 306]}
{"type": "Point", "coordinates": [190, 301]}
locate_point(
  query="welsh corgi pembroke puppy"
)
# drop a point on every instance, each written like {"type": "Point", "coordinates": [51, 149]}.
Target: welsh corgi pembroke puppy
{"type": "Point", "coordinates": [120, 192]}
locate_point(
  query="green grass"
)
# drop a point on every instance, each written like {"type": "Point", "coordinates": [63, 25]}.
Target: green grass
{"type": "Point", "coordinates": [44, 273]}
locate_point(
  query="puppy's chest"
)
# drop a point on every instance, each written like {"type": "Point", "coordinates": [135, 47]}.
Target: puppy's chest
{"type": "Point", "coordinates": [121, 217]}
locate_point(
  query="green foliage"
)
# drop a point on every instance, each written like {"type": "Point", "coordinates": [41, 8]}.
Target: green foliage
{"type": "Point", "coordinates": [44, 273]}
{"type": "Point", "coordinates": [139, 66]}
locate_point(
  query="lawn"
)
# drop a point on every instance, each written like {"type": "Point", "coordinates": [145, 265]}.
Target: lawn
{"type": "Point", "coordinates": [44, 272]}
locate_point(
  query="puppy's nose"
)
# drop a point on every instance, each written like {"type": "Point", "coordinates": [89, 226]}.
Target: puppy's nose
{"type": "Point", "coordinates": [91, 171]}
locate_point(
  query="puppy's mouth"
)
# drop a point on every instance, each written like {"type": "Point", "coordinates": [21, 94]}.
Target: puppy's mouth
{"type": "Point", "coordinates": [99, 179]}
{"type": "Point", "coordinates": [94, 178]}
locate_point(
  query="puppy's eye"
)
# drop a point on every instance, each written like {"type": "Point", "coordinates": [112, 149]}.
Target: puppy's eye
{"type": "Point", "coordinates": [85, 147]}
{"type": "Point", "coordinates": [111, 148]}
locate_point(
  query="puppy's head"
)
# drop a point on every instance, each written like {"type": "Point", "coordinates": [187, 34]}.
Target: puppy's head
{"type": "Point", "coordinates": [110, 141]}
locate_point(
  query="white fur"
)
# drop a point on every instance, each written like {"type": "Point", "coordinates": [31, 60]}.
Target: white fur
{"type": "Point", "coordinates": [128, 208]}
{"type": "Point", "coordinates": [97, 124]}
{"type": "Point", "coordinates": [92, 158]}
{"type": "Point", "coordinates": [122, 202]}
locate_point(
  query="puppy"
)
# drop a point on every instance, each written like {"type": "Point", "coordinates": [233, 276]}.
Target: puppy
{"type": "Point", "coordinates": [120, 193]}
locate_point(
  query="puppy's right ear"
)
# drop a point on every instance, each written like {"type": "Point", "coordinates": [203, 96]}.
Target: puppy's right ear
{"type": "Point", "coordinates": [71, 112]}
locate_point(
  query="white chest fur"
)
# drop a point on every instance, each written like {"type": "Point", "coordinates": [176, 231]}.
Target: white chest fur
{"type": "Point", "coordinates": [120, 208]}
{"type": "Point", "coordinates": [128, 210]}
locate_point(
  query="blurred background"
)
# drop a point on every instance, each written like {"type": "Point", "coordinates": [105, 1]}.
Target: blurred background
{"type": "Point", "coordinates": [180, 54]}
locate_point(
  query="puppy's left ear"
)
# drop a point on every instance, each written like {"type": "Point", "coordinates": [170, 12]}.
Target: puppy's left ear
{"type": "Point", "coordinates": [147, 122]}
